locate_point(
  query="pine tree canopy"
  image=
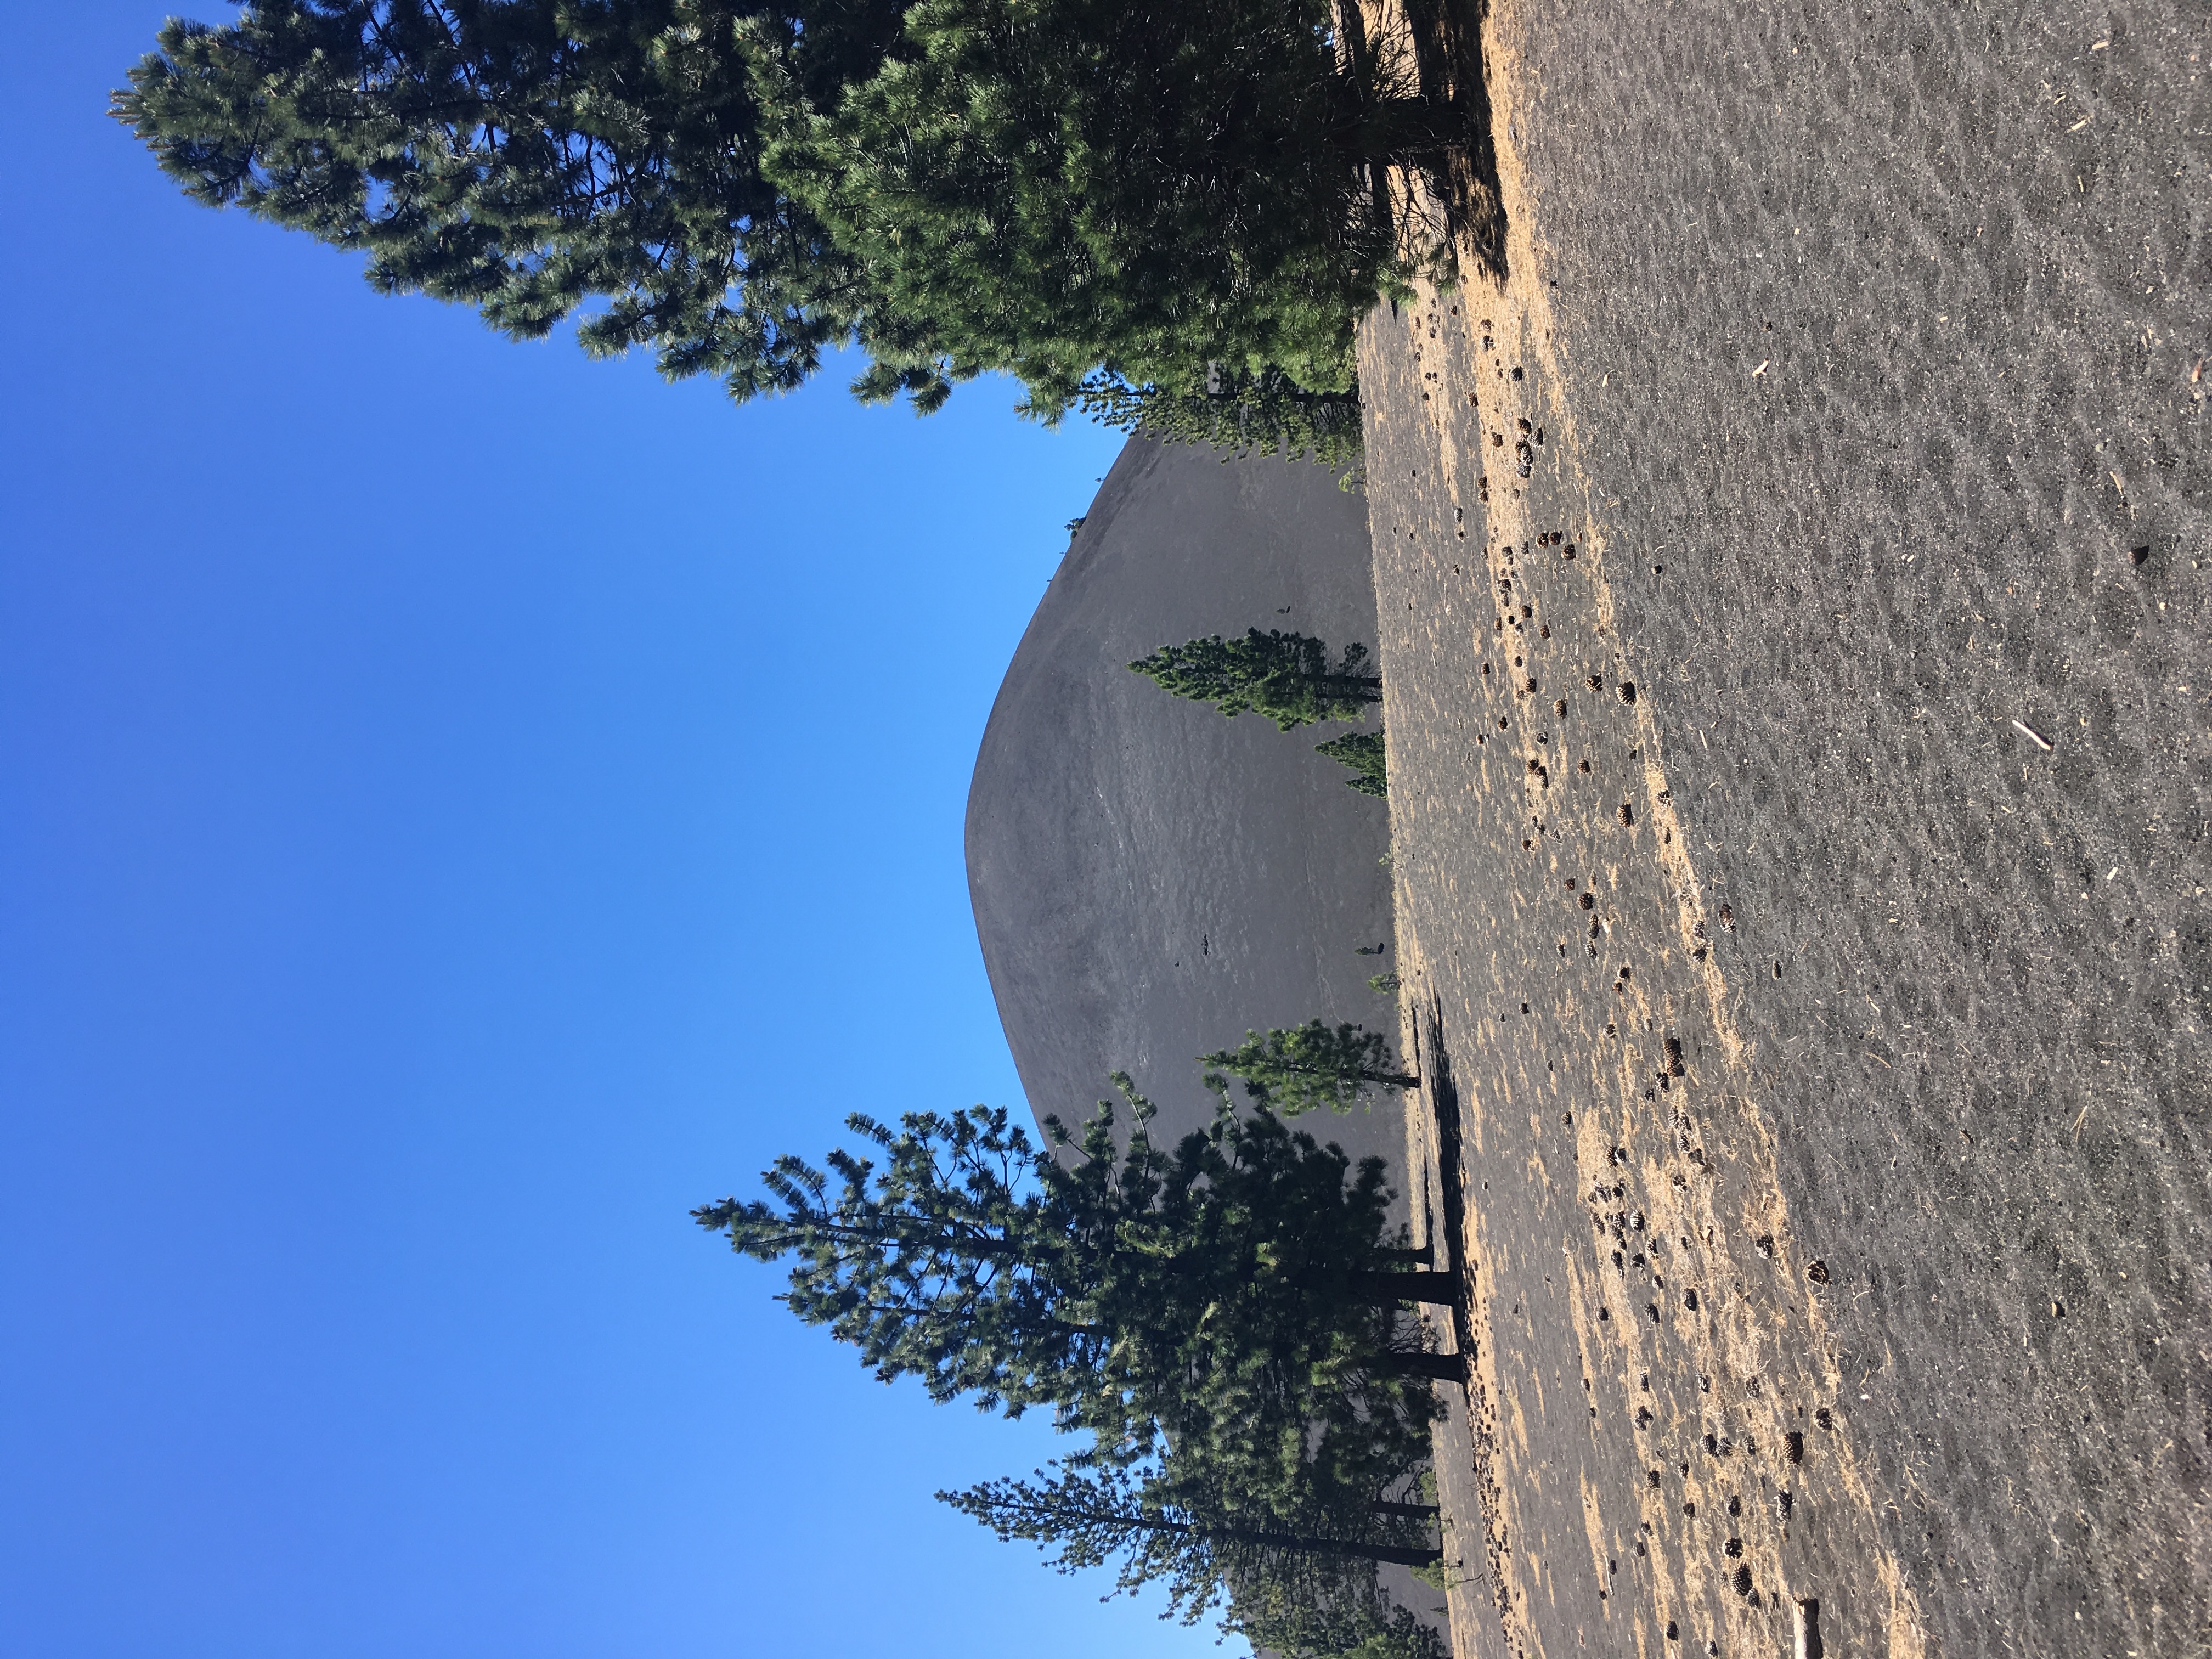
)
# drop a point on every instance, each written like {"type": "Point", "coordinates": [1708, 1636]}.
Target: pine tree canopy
{"type": "Point", "coordinates": [1286, 678]}
{"type": "Point", "coordinates": [1126, 207]}
{"type": "Point", "coordinates": [1056, 185]}
{"type": "Point", "coordinates": [1301, 1069]}
{"type": "Point", "coordinates": [1240, 1284]}
{"type": "Point", "coordinates": [1301, 1574]}
{"type": "Point", "coordinates": [526, 157]}
{"type": "Point", "coordinates": [1366, 754]}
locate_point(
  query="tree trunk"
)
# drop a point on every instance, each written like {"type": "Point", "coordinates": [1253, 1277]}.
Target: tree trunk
{"type": "Point", "coordinates": [1390, 131]}
{"type": "Point", "coordinates": [1367, 687]}
{"type": "Point", "coordinates": [1392, 1553]}
{"type": "Point", "coordinates": [1410, 1511]}
{"type": "Point", "coordinates": [1401, 1079]}
{"type": "Point", "coordinates": [1442, 1367]}
{"type": "Point", "coordinates": [1404, 1555]}
{"type": "Point", "coordinates": [1406, 1287]}
{"type": "Point", "coordinates": [1422, 1255]}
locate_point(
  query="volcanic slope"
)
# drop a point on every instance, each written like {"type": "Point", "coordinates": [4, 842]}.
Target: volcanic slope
{"type": "Point", "coordinates": [1150, 879]}
{"type": "Point", "coordinates": [1792, 577]}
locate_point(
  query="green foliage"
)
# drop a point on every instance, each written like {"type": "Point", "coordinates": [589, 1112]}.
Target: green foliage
{"type": "Point", "coordinates": [1238, 412]}
{"type": "Point", "coordinates": [1221, 1319]}
{"type": "Point", "coordinates": [1168, 217]}
{"type": "Point", "coordinates": [1344, 1614]}
{"type": "Point", "coordinates": [1384, 984]}
{"type": "Point", "coordinates": [1363, 752]}
{"type": "Point", "coordinates": [1284, 677]}
{"type": "Point", "coordinates": [525, 158]}
{"type": "Point", "coordinates": [1302, 1572]}
{"type": "Point", "coordinates": [1239, 1286]}
{"type": "Point", "coordinates": [1057, 187]}
{"type": "Point", "coordinates": [1306, 1067]}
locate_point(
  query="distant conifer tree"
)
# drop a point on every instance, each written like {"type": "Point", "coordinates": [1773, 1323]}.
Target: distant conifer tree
{"type": "Point", "coordinates": [1363, 751]}
{"type": "Point", "coordinates": [1237, 412]}
{"type": "Point", "coordinates": [1300, 1582]}
{"type": "Point", "coordinates": [1341, 1614]}
{"type": "Point", "coordinates": [1286, 678]}
{"type": "Point", "coordinates": [1302, 1067]}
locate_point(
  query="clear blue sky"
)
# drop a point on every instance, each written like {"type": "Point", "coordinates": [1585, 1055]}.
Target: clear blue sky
{"type": "Point", "coordinates": [460, 807]}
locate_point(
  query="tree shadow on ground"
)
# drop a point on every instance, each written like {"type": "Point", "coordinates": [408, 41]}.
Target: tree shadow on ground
{"type": "Point", "coordinates": [1447, 38]}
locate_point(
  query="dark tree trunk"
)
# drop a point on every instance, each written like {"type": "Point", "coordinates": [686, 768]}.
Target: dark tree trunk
{"type": "Point", "coordinates": [1405, 1287]}
{"type": "Point", "coordinates": [1391, 131]}
{"type": "Point", "coordinates": [1410, 1511]}
{"type": "Point", "coordinates": [1401, 1555]}
{"type": "Point", "coordinates": [1442, 1367]}
{"type": "Point", "coordinates": [1401, 1079]}
{"type": "Point", "coordinates": [1367, 687]}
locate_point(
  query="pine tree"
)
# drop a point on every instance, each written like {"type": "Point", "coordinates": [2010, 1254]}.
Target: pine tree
{"type": "Point", "coordinates": [1062, 186]}
{"type": "Point", "coordinates": [1286, 678]}
{"type": "Point", "coordinates": [1302, 1067]}
{"type": "Point", "coordinates": [1165, 217]}
{"type": "Point", "coordinates": [526, 158]}
{"type": "Point", "coordinates": [1299, 1580]}
{"type": "Point", "coordinates": [1363, 751]}
{"type": "Point", "coordinates": [1348, 1616]}
{"type": "Point", "coordinates": [1237, 412]}
{"type": "Point", "coordinates": [1241, 1284]}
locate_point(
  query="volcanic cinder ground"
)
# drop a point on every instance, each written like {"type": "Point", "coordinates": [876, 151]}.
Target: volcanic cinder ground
{"type": "Point", "coordinates": [1792, 584]}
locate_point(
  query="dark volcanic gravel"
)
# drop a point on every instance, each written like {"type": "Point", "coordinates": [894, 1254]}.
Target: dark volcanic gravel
{"type": "Point", "coordinates": [1863, 356]}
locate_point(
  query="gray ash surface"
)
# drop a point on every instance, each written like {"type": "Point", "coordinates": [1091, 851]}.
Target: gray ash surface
{"type": "Point", "coordinates": [1873, 393]}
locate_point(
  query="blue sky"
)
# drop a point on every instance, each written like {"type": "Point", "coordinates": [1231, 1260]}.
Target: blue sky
{"type": "Point", "coordinates": [460, 807]}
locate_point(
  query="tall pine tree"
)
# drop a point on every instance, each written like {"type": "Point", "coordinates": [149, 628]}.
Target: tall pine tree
{"type": "Point", "coordinates": [1169, 211]}
{"type": "Point", "coordinates": [1300, 1581]}
{"type": "Point", "coordinates": [1240, 1284]}
{"type": "Point", "coordinates": [1286, 678]}
{"type": "Point", "coordinates": [1299, 1068]}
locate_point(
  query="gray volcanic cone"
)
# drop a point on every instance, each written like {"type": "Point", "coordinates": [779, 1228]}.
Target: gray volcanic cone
{"type": "Point", "coordinates": [1150, 878]}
